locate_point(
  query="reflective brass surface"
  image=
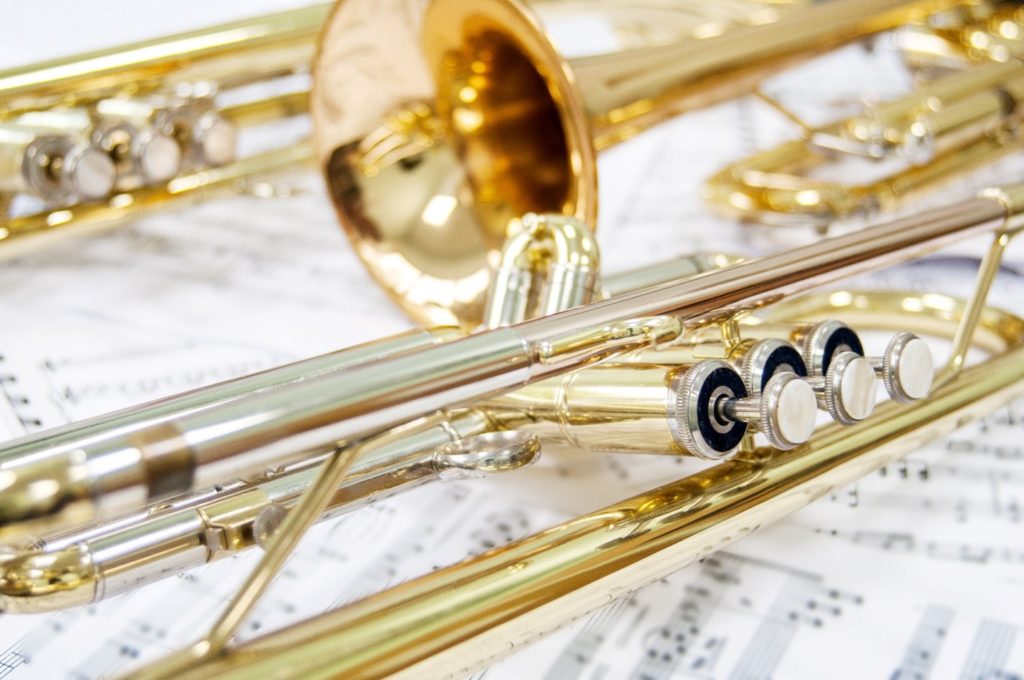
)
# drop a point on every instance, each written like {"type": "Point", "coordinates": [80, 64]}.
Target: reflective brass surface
{"type": "Point", "coordinates": [274, 42]}
{"type": "Point", "coordinates": [432, 139]}
{"type": "Point", "coordinates": [456, 620]}
{"type": "Point", "coordinates": [245, 435]}
{"type": "Point", "coordinates": [469, 116]}
{"type": "Point", "coordinates": [934, 134]}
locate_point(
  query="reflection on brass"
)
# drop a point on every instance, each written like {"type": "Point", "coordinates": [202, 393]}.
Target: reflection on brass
{"type": "Point", "coordinates": [467, 115]}
{"type": "Point", "coordinates": [947, 128]}
{"type": "Point", "coordinates": [340, 430]}
{"type": "Point", "coordinates": [460, 143]}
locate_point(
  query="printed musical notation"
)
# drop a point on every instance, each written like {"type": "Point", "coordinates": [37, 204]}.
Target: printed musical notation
{"type": "Point", "coordinates": [914, 572]}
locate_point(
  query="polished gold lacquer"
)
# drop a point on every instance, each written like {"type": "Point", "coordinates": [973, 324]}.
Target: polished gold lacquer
{"type": "Point", "coordinates": [455, 620]}
{"type": "Point", "coordinates": [382, 402]}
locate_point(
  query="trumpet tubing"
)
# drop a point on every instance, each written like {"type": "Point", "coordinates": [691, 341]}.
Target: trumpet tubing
{"type": "Point", "coordinates": [454, 621]}
{"type": "Point", "coordinates": [480, 107]}
{"type": "Point", "coordinates": [965, 117]}
{"type": "Point", "coordinates": [274, 426]}
{"type": "Point", "coordinates": [98, 137]}
{"type": "Point", "coordinates": [570, 569]}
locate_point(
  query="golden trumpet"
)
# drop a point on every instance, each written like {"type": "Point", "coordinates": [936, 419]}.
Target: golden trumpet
{"type": "Point", "coordinates": [456, 620]}
{"type": "Point", "coordinates": [967, 116]}
{"type": "Point", "coordinates": [102, 137]}
{"type": "Point", "coordinates": [470, 117]}
{"type": "Point", "coordinates": [730, 361]}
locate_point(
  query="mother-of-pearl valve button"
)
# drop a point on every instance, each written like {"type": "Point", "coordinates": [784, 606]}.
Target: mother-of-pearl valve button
{"type": "Point", "coordinates": [785, 413]}
{"type": "Point", "coordinates": [158, 157]}
{"type": "Point", "coordinates": [848, 390]}
{"type": "Point", "coordinates": [216, 139]}
{"type": "Point", "coordinates": [58, 168]}
{"type": "Point", "coordinates": [91, 173]}
{"type": "Point", "coordinates": [906, 368]}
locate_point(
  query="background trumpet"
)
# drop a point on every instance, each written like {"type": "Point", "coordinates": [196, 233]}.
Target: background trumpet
{"type": "Point", "coordinates": [103, 136]}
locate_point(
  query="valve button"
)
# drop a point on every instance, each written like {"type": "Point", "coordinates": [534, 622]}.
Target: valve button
{"type": "Point", "coordinates": [695, 415]}
{"type": "Point", "coordinates": [826, 341]}
{"type": "Point", "coordinates": [850, 388]}
{"type": "Point", "coordinates": [791, 410]}
{"type": "Point", "coordinates": [159, 158]}
{"type": "Point", "coordinates": [767, 358]}
{"type": "Point", "coordinates": [91, 173]}
{"type": "Point", "coordinates": [217, 139]}
{"type": "Point", "coordinates": [907, 368]}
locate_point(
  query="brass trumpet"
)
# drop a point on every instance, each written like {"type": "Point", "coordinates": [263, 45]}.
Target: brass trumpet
{"type": "Point", "coordinates": [965, 117]}
{"type": "Point", "coordinates": [459, 618]}
{"type": "Point", "coordinates": [101, 138]}
{"type": "Point", "coordinates": [94, 139]}
{"type": "Point", "coordinates": [488, 121]}
{"type": "Point", "coordinates": [682, 402]}
{"type": "Point", "coordinates": [728, 361]}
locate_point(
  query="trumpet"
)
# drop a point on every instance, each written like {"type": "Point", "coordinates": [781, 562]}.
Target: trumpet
{"type": "Point", "coordinates": [510, 594]}
{"type": "Point", "coordinates": [497, 123]}
{"type": "Point", "coordinates": [700, 407]}
{"type": "Point", "coordinates": [92, 140]}
{"type": "Point", "coordinates": [98, 139]}
{"type": "Point", "coordinates": [968, 116]}
{"type": "Point", "coordinates": [730, 361]}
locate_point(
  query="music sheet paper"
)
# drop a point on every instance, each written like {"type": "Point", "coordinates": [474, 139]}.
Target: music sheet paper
{"type": "Point", "coordinates": [914, 572]}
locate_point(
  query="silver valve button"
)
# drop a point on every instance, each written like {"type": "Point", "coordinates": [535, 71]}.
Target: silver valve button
{"type": "Point", "coordinates": [825, 341]}
{"type": "Point", "coordinates": [157, 156]}
{"type": "Point", "coordinates": [694, 417]}
{"type": "Point", "coordinates": [906, 368]}
{"type": "Point", "coordinates": [848, 389]}
{"type": "Point", "coordinates": [766, 359]}
{"type": "Point", "coordinates": [59, 169]}
{"type": "Point", "coordinates": [712, 411]}
{"type": "Point", "coordinates": [90, 173]}
{"type": "Point", "coordinates": [785, 412]}
{"type": "Point", "coordinates": [216, 139]}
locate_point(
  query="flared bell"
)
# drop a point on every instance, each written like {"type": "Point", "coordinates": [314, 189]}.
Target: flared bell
{"type": "Point", "coordinates": [437, 122]}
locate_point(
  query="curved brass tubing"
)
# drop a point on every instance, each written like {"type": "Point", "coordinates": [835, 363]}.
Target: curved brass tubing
{"type": "Point", "coordinates": [927, 314]}
{"type": "Point", "coordinates": [42, 578]}
{"type": "Point", "coordinates": [456, 620]}
{"type": "Point", "coordinates": [559, 248]}
{"type": "Point", "coordinates": [35, 579]}
{"type": "Point", "coordinates": [518, 124]}
{"type": "Point", "coordinates": [183, 532]}
{"type": "Point", "coordinates": [939, 131]}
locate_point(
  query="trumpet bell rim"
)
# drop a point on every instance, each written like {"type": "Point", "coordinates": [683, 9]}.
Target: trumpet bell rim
{"type": "Point", "coordinates": [431, 142]}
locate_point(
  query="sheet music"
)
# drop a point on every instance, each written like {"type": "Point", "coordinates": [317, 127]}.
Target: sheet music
{"type": "Point", "coordinates": [915, 572]}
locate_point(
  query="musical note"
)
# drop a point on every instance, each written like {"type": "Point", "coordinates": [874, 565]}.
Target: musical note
{"type": "Point", "coordinates": [923, 649]}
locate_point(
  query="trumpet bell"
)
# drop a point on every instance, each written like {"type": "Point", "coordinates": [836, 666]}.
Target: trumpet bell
{"type": "Point", "coordinates": [466, 115]}
{"type": "Point", "coordinates": [434, 140]}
